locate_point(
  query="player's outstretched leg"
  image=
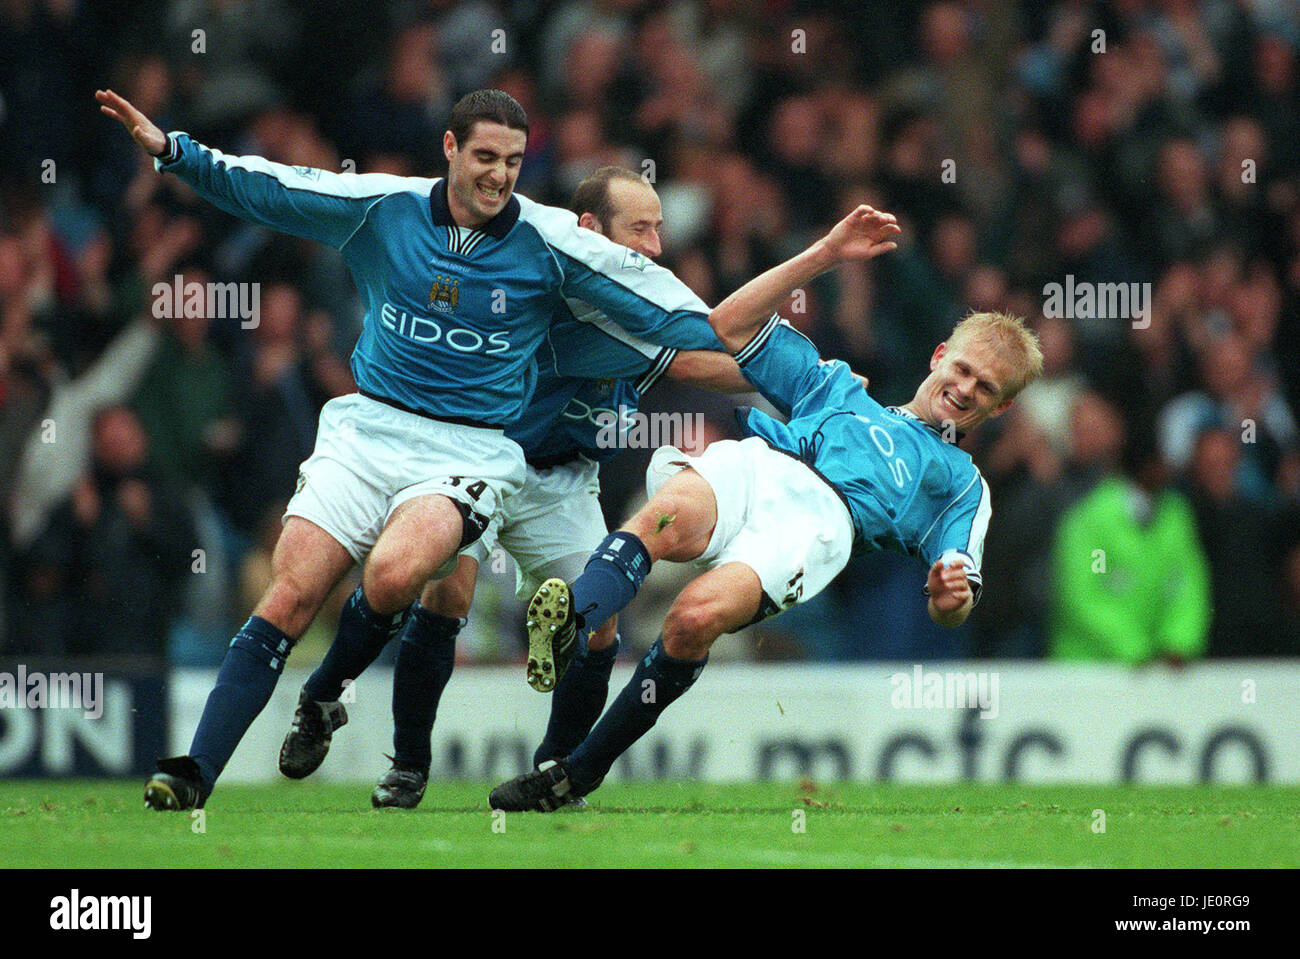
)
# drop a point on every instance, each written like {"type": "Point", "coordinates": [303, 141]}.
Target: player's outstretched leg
{"type": "Point", "coordinates": [420, 536]}
{"type": "Point", "coordinates": [306, 565]}
{"type": "Point", "coordinates": [720, 601]}
{"type": "Point", "coordinates": [675, 525]}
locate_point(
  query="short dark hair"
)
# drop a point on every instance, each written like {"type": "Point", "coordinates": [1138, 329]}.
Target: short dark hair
{"type": "Point", "coordinates": [493, 106]}
{"type": "Point", "coordinates": [592, 194]}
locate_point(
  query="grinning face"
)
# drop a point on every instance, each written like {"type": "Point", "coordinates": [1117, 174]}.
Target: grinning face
{"type": "Point", "coordinates": [481, 172]}
{"type": "Point", "coordinates": [965, 386]}
{"type": "Point", "coordinates": [637, 217]}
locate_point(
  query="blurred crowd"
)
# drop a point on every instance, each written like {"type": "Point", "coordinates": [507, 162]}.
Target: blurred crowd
{"type": "Point", "coordinates": [1146, 491]}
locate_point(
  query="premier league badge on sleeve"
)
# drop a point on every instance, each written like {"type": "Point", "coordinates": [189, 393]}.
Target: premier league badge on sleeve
{"type": "Point", "coordinates": [632, 260]}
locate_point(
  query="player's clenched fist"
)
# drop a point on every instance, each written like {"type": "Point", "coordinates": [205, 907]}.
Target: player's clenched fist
{"type": "Point", "coordinates": [140, 126]}
{"type": "Point", "coordinates": [950, 593]}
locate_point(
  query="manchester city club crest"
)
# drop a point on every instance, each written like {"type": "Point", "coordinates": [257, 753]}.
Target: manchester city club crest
{"type": "Point", "coordinates": [444, 294]}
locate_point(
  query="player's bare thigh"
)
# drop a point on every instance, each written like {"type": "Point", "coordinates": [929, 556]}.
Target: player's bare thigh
{"type": "Point", "coordinates": [420, 536]}
{"type": "Point", "coordinates": [452, 595]}
{"type": "Point", "coordinates": [306, 566]}
{"type": "Point", "coordinates": [721, 601]}
{"type": "Point", "coordinates": [678, 521]}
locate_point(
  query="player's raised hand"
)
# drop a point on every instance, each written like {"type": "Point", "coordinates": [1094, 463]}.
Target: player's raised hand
{"type": "Point", "coordinates": [140, 127]}
{"type": "Point", "coordinates": [949, 588]}
{"type": "Point", "coordinates": [866, 232]}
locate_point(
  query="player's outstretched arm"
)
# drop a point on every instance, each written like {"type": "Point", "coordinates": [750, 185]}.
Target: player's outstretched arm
{"type": "Point", "coordinates": [863, 234]}
{"type": "Point", "coordinates": [141, 128]}
{"type": "Point", "coordinates": [951, 597]}
{"type": "Point", "coordinates": [718, 372]}
{"type": "Point", "coordinates": [710, 369]}
{"type": "Point", "coordinates": [314, 204]}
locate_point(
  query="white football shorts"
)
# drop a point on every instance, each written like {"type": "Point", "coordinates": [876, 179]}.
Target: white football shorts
{"type": "Point", "coordinates": [370, 458]}
{"type": "Point", "coordinates": [550, 527]}
{"type": "Point", "coordinates": [775, 515]}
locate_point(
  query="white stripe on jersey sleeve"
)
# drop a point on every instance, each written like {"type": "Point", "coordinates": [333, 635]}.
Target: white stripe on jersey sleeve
{"type": "Point", "coordinates": [584, 312]}
{"type": "Point", "coordinates": [633, 271]}
{"type": "Point", "coordinates": [746, 352]}
{"type": "Point", "coordinates": [979, 525]}
{"type": "Point", "coordinates": [972, 558]}
{"type": "Point", "coordinates": [950, 556]}
{"type": "Point", "coordinates": [656, 372]}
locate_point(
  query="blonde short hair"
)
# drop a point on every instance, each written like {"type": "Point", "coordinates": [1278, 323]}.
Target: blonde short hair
{"type": "Point", "coordinates": [1011, 337]}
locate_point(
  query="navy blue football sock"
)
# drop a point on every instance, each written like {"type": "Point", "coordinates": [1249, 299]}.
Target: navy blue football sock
{"type": "Point", "coordinates": [577, 702]}
{"type": "Point", "coordinates": [361, 637]}
{"type": "Point", "coordinates": [612, 576]}
{"type": "Point", "coordinates": [245, 682]}
{"type": "Point", "coordinates": [658, 681]}
{"type": "Point", "coordinates": [425, 658]}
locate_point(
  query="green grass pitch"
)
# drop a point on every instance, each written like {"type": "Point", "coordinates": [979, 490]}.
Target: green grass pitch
{"type": "Point", "coordinates": [84, 824]}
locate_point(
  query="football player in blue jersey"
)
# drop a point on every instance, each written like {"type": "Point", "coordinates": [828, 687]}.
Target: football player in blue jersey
{"type": "Point", "coordinates": [554, 522]}
{"type": "Point", "coordinates": [460, 278]}
{"type": "Point", "coordinates": [774, 517]}
{"type": "Point", "coordinates": [549, 527]}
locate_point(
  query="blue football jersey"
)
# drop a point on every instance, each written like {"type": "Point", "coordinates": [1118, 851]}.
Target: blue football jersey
{"type": "Point", "coordinates": [453, 316]}
{"type": "Point", "coordinates": [571, 416]}
{"type": "Point", "coordinates": [591, 376]}
{"type": "Point", "coordinates": [905, 487]}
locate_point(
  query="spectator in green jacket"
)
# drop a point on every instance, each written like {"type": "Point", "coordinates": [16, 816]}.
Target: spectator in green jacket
{"type": "Point", "coordinates": [1132, 583]}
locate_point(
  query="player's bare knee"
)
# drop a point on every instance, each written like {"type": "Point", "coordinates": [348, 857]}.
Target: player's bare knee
{"type": "Point", "coordinates": [680, 646]}
{"type": "Point", "coordinates": [387, 594]}
{"type": "Point", "coordinates": [691, 628]}
{"type": "Point", "coordinates": [288, 605]}
{"type": "Point", "coordinates": [390, 582]}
